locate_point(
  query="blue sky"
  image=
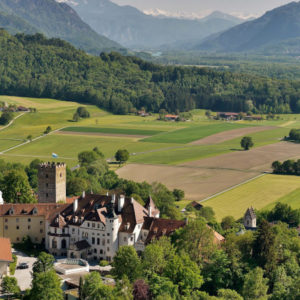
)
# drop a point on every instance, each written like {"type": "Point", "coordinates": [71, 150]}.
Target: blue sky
{"type": "Point", "coordinates": [199, 6]}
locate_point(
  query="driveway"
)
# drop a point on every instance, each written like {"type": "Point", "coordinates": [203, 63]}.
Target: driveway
{"type": "Point", "coordinates": [24, 277]}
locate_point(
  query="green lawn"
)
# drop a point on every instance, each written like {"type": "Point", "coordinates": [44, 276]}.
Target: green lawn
{"type": "Point", "coordinates": [194, 133]}
{"type": "Point", "coordinates": [125, 131]}
{"type": "Point", "coordinates": [259, 193]}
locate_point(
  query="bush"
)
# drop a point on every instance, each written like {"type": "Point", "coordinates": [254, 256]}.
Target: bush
{"type": "Point", "coordinates": [104, 263]}
{"type": "Point", "coordinates": [6, 117]}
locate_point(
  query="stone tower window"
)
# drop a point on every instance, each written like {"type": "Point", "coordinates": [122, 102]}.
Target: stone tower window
{"type": "Point", "coordinates": [47, 176]}
{"type": "Point", "coordinates": [47, 195]}
{"type": "Point", "coordinates": [60, 175]}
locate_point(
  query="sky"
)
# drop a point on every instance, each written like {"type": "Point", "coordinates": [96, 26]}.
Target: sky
{"type": "Point", "coordinates": [237, 7]}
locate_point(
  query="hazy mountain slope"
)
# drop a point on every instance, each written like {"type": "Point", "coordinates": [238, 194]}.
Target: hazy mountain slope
{"type": "Point", "coordinates": [274, 27]}
{"type": "Point", "coordinates": [132, 28]}
{"type": "Point", "coordinates": [58, 20]}
{"type": "Point", "coordinates": [14, 24]}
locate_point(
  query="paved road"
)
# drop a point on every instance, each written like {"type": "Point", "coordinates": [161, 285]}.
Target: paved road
{"type": "Point", "coordinates": [24, 277]}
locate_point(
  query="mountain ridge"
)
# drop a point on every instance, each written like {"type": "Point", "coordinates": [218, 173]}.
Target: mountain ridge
{"type": "Point", "coordinates": [273, 28]}
{"type": "Point", "coordinates": [136, 30]}
{"type": "Point", "coordinates": [57, 20]}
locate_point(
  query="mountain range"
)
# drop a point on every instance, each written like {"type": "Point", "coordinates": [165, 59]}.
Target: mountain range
{"type": "Point", "coordinates": [277, 31]}
{"type": "Point", "coordinates": [53, 19]}
{"type": "Point", "coordinates": [137, 30]}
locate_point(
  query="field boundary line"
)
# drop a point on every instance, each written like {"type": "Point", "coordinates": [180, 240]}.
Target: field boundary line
{"type": "Point", "coordinates": [233, 187]}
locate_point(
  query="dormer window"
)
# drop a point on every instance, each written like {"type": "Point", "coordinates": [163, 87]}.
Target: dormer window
{"type": "Point", "coordinates": [34, 212]}
{"type": "Point", "coordinates": [11, 211]}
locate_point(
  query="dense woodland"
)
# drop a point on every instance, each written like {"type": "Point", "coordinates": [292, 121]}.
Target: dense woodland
{"type": "Point", "coordinates": [38, 67]}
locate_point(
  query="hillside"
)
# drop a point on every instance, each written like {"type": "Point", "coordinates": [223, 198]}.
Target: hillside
{"type": "Point", "coordinates": [52, 68]}
{"type": "Point", "coordinates": [14, 24]}
{"type": "Point", "coordinates": [54, 20]}
{"type": "Point", "coordinates": [276, 31]}
{"type": "Point", "coordinates": [132, 28]}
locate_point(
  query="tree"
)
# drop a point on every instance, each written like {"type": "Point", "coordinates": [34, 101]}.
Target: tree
{"type": "Point", "coordinates": [76, 117]}
{"type": "Point", "coordinates": [255, 285]}
{"type": "Point", "coordinates": [126, 262]}
{"type": "Point", "coordinates": [226, 294]}
{"type": "Point", "coordinates": [29, 138]}
{"type": "Point", "coordinates": [9, 285]}
{"type": "Point", "coordinates": [76, 185]}
{"type": "Point", "coordinates": [247, 143]}
{"type": "Point", "coordinates": [179, 194]}
{"type": "Point", "coordinates": [122, 155]}
{"type": "Point", "coordinates": [228, 223]}
{"type": "Point", "coordinates": [82, 112]}
{"type": "Point", "coordinates": [86, 158]}
{"type": "Point", "coordinates": [48, 130]}
{"type": "Point", "coordinates": [94, 289]}
{"type": "Point", "coordinates": [46, 286]}
{"type": "Point", "coordinates": [264, 250]}
{"type": "Point", "coordinates": [6, 117]}
{"type": "Point", "coordinates": [201, 246]}
{"type": "Point", "coordinates": [16, 188]}
{"type": "Point", "coordinates": [184, 273]}
{"type": "Point", "coordinates": [44, 263]}
{"type": "Point", "coordinates": [141, 290]}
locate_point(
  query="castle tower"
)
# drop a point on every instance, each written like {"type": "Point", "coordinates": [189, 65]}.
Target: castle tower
{"type": "Point", "coordinates": [250, 219]}
{"type": "Point", "coordinates": [52, 183]}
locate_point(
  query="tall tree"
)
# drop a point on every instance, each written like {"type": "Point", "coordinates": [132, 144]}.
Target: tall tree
{"type": "Point", "coordinates": [46, 286]}
{"type": "Point", "coordinates": [126, 262]}
{"type": "Point", "coordinates": [44, 263]}
{"type": "Point", "coordinates": [247, 142]}
{"type": "Point", "coordinates": [9, 286]}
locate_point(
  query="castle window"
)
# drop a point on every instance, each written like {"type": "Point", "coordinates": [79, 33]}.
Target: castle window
{"type": "Point", "coordinates": [131, 239]}
{"type": "Point", "coordinates": [29, 227]}
{"type": "Point", "coordinates": [47, 176]}
{"type": "Point", "coordinates": [54, 244]}
{"type": "Point", "coordinates": [60, 175]}
{"type": "Point", "coordinates": [17, 227]}
{"type": "Point", "coordinates": [6, 220]}
{"type": "Point", "coordinates": [29, 220]}
{"type": "Point", "coordinates": [93, 241]}
{"type": "Point", "coordinates": [47, 185]}
{"type": "Point", "coordinates": [41, 230]}
{"type": "Point", "coordinates": [41, 222]}
{"type": "Point", "coordinates": [108, 234]}
{"type": "Point", "coordinates": [17, 220]}
{"type": "Point", "coordinates": [107, 249]}
{"type": "Point", "coordinates": [88, 224]}
{"type": "Point", "coordinates": [47, 195]}
{"type": "Point", "coordinates": [98, 241]}
{"type": "Point", "coordinates": [93, 225]}
{"type": "Point", "coordinates": [95, 250]}
{"type": "Point", "coordinates": [6, 227]}
{"type": "Point", "coordinates": [107, 241]}
{"type": "Point", "coordinates": [101, 251]}
{"type": "Point", "coordinates": [18, 239]}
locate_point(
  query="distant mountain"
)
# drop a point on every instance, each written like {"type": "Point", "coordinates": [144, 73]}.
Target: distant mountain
{"type": "Point", "coordinates": [54, 20]}
{"type": "Point", "coordinates": [14, 24]}
{"type": "Point", "coordinates": [277, 31]}
{"type": "Point", "coordinates": [132, 28]}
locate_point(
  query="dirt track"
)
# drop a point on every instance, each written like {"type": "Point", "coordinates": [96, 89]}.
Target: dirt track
{"type": "Point", "coordinates": [203, 178]}
{"type": "Point", "coordinates": [230, 135]}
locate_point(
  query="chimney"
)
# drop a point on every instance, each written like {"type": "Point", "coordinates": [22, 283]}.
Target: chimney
{"type": "Point", "coordinates": [83, 194]}
{"type": "Point", "coordinates": [150, 210]}
{"type": "Point", "coordinates": [131, 200]}
{"type": "Point", "coordinates": [121, 202]}
{"type": "Point", "coordinates": [75, 205]}
{"type": "Point", "coordinates": [1, 199]}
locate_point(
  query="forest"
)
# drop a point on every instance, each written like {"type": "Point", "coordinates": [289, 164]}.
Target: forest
{"type": "Point", "coordinates": [34, 66]}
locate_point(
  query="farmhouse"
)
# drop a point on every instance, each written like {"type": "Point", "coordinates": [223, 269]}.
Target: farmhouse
{"type": "Point", "coordinates": [5, 256]}
{"type": "Point", "coordinates": [171, 117]}
{"type": "Point", "coordinates": [228, 115]}
{"type": "Point", "coordinates": [92, 227]}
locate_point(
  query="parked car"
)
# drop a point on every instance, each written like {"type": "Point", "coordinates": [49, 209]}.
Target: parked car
{"type": "Point", "coordinates": [23, 266]}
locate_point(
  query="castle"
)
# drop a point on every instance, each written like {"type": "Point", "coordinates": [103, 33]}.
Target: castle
{"type": "Point", "coordinates": [91, 227]}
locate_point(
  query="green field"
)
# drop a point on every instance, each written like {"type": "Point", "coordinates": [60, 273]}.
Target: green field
{"type": "Point", "coordinates": [125, 131]}
{"type": "Point", "coordinates": [194, 133]}
{"type": "Point", "coordinates": [260, 193]}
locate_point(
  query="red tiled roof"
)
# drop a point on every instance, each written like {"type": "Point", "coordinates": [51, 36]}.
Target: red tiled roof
{"type": "Point", "coordinates": [160, 227]}
{"type": "Point", "coordinates": [49, 210]}
{"type": "Point", "coordinates": [70, 200]}
{"type": "Point", "coordinates": [5, 250]}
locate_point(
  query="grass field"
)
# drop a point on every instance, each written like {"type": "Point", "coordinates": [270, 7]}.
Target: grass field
{"type": "Point", "coordinates": [125, 131]}
{"type": "Point", "coordinates": [260, 193]}
{"type": "Point", "coordinates": [194, 133]}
